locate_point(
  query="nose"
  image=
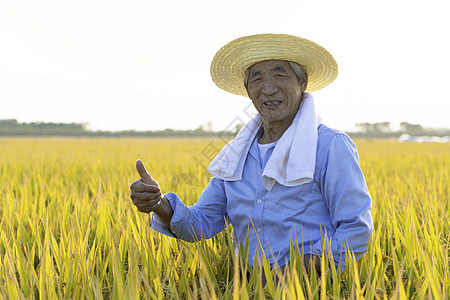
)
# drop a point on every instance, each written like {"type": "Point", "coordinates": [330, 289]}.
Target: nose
{"type": "Point", "coordinates": [269, 88]}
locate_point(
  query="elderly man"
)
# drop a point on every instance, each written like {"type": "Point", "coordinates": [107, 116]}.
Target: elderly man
{"type": "Point", "coordinates": [286, 176]}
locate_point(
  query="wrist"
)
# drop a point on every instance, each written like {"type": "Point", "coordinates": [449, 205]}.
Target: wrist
{"type": "Point", "coordinates": [164, 210]}
{"type": "Point", "coordinates": [161, 204]}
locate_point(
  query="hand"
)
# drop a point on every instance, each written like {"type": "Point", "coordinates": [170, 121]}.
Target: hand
{"type": "Point", "coordinates": [311, 259]}
{"type": "Point", "coordinates": [145, 192]}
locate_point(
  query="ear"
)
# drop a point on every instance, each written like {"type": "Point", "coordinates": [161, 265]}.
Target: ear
{"type": "Point", "coordinates": [304, 85]}
{"type": "Point", "coordinates": [246, 88]}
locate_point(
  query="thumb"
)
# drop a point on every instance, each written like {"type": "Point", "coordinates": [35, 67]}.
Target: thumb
{"type": "Point", "coordinates": [145, 176]}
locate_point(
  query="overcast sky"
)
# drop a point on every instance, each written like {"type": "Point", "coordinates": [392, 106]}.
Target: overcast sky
{"type": "Point", "coordinates": [144, 65]}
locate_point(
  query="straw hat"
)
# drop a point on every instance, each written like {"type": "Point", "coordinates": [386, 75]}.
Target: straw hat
{"type": "Point", "coordinates": [229, 64]}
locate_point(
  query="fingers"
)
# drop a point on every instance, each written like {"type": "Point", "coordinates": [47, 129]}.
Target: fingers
{"type": "Point", "coordinates": [145, 176]}
{"type": "Point", "coordinates": [144, 196]}
{"type": "Point", "coordinates": [140, 186]}
{"type": "Point", "coordinates": [145, 201]}
{"type": "Point", "coordinates": [147, 206]}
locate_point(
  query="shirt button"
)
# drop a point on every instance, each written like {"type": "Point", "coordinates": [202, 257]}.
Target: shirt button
{"type": "Point", "coordinates": [259, 173]}
{"type": "Point", "coordinates": [259, 201]}
{"type": "Point", "coordinates": [259, 229]}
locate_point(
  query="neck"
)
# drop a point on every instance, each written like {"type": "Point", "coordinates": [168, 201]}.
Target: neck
{"type": "Point", "coordinates": [273, 131]}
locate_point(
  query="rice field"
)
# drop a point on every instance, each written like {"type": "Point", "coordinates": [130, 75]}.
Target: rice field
{"type": "Point", "coordinates": [68, 228]}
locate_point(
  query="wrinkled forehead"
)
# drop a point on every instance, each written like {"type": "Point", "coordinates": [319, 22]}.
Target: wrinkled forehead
{"type": "Point", "coordinates": [270, 65]}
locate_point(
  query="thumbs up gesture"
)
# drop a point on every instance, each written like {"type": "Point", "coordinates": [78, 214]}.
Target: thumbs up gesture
{"type": "Point", "coordinates": [145, 192]}
{"type": "Point", "coordinates": [145, 176]}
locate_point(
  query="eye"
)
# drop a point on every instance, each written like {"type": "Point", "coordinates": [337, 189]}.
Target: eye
{"type": "Point", "coordinates": [257, 79]}
{"type": "Point", "coordinates": [280, 75]}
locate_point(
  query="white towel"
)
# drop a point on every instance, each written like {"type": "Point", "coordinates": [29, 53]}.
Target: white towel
{"type": "Point", "coordinates": [293, 160]}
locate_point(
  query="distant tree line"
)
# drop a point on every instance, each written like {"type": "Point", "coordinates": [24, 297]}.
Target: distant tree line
{"type": "Point", "coordinates": [12, 127]}
{"type": "Point", "coordinates": [384, 130]}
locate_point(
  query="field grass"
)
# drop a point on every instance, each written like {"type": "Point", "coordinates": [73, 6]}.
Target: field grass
{"type": "Point", "coordinates": [69, 230]}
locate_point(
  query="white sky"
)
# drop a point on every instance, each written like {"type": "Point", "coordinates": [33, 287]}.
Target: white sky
{"type": "Point", "coordinates": [144, 65]}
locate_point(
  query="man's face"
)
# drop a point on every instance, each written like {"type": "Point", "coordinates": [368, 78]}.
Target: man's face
{"type": "Point", "coordinates": [275, 90]}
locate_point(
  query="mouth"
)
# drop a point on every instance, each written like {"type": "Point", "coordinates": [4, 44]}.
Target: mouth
{"type": "Point", "coordinates": [272, 103]}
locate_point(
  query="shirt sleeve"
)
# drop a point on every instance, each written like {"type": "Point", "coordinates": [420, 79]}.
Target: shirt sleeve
{"type": "Point", "coordinates": [205, 219]}
{"type": "Point", "coordinates": [347, 198]}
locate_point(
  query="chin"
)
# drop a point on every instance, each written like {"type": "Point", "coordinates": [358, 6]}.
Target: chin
{"type": "Point", "coordinates": [274, 118]}
{"type": "Point", "coordinates": [279, 115]}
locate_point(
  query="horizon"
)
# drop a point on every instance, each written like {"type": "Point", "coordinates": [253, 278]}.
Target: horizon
{"type": "Point", "coordinates": [210, 128]}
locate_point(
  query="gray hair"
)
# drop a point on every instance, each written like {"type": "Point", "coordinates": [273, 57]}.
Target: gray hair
{"type": "Point", "coordinates": [300, 72]}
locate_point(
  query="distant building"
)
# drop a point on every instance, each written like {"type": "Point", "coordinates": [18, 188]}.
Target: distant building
{"type": "Point", "coordinates": [423, 139]}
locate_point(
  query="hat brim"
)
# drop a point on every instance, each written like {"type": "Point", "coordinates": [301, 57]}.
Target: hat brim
{"type": "Point", "coordinates": [230, 62]}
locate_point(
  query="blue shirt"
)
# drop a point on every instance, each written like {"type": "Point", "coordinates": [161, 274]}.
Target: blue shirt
{"type": "Point", "coordinates": [335, 205]}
